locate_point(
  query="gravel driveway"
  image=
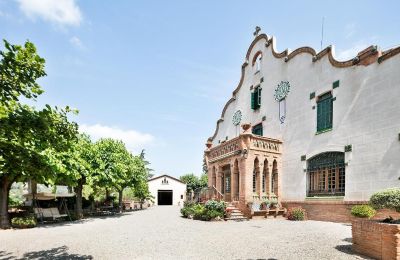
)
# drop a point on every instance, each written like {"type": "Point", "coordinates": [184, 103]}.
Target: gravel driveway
{"type": "Point", "coordinates": [160, 233]}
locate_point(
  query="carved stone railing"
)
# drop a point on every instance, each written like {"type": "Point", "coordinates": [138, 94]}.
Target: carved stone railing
{"type": "Point", "coordinates": [225, 149]}
{"type": "Point", "coordinates": [265, 144]}
{"type": "Point", "coordinates": [244, 141]}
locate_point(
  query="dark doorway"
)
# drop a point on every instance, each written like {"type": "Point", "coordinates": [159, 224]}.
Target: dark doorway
{"type": "Point", "coordinates": [164, 197]}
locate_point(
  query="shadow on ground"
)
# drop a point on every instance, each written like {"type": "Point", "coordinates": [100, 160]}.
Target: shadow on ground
{"type": "Point", "coordinates": [347, 249]}
{"type": "Point", "coordinates": [57, 253]}
{"type": "Point", "coordinates": [85, 220]}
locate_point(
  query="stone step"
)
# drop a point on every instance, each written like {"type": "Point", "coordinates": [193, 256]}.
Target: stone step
{"type": "Point", "coordinates": [236, 214]}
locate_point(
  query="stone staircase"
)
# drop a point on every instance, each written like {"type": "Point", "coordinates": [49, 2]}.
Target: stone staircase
{"type": "Point", "coordinates": [236, 214]}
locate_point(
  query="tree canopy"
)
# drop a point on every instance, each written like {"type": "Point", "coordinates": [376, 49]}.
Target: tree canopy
{"type": "Point", "coordinates": [32, 142]}
{"type": "Point", "coordinates": [193, 182]}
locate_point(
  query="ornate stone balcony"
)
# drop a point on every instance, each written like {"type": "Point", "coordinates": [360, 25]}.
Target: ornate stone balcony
{"type": "Point", "coordinates": [265, 144]}
{"type": "Point", "coordinates": [242, 143]}
{"type": "Point", "coordinates": [226, 149]}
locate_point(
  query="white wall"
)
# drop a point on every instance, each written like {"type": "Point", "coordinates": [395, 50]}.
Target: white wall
{"type": "Point", "coordinates": [366, 114]}
{"type": "Point", "coordinates": [177, 187]}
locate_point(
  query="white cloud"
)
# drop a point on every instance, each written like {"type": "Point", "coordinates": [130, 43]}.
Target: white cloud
{"type": "Point", "coordinates": [76, 42]}
{"type": "Point", "coordinates": [350, 53]}
{"type": "Point", "coordinates": [61, 12]}
{"type": "Point", "coordinates": [133, 140]}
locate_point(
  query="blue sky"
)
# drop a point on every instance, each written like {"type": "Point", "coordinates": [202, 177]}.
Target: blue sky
{"type": "Point", "coordinates": [157, 74]}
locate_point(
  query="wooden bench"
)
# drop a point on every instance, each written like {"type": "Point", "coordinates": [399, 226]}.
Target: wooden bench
{"type": "Point", "coordinates": [48, 213]}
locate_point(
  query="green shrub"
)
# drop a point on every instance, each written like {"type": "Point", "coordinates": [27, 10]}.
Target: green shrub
{"type": "Point", "coordinates": [187, 210]}
{"type": "Point", "coordinates": [215, 205]}
{"type": "Point", "coordinates": [14, 201]}
{"type": "Point", "coordinates": [389, 199]}
{"type": "Point", "coordinates": [363, 211]}
{"type": "Point", "coordinates": [296, 214]}
{"type": "Point", "coordinates": [214, 213]}
{"type": "Point", "coordinates": [24, 222]}
{"type": "Point", "coordinates": [198, 211]}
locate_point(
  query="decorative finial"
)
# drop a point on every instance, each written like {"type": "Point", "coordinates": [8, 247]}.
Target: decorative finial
{"type": "Point", "coordinates": [258, 29]}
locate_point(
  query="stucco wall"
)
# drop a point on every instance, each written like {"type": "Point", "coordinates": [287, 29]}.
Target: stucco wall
{"type": "Point", "coordinates": [178, 188]}
{"type": "Point", "coordinates": [366, 114]}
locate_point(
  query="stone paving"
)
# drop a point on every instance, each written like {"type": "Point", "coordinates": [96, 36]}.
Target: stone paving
{"type": "Point", "coordinates": [160, 233]}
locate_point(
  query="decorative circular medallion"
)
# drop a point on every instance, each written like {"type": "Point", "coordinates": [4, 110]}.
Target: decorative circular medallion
{"type": "Point", "coordinates": [282, 90]}
{"type": "Point", "coordinates": [237, 117]}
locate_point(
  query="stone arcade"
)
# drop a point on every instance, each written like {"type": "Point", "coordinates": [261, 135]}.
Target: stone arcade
{"type": "Point", "coordinates": [308, 129]}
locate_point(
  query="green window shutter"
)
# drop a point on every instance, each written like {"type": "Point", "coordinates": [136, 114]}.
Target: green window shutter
{"type": "Point", "coordinates": [252, 100]}
{"type": "Point", "coordinates": [259, 97]}
{"type": "Point", "coordinates": [256, 99]}
{"type": "Point", "coordinates": [324, 112]}
{"type": "Point", "coordinates": [257, 130]}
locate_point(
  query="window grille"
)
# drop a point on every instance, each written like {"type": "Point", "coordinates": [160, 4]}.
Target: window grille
{"type": "Point", "coordinates": [254, 181]}
{"type": "Point", "coordinates": [326, 175]}
{"type": "Point", "coordinates": [263, 182]}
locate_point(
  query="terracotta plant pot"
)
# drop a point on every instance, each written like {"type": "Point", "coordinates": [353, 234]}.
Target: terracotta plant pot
{"type": "Point", "coordinates": [246, 126]}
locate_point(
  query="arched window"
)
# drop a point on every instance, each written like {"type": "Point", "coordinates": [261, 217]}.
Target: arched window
{"type": "Point", "coordinates": [274, 179]}
{"type": "Point", "coordinates": [256, 172]}
{"type": "Point", "coordinates": [326, 174]}
{"type": "Point", "coordinates": [257, 61]}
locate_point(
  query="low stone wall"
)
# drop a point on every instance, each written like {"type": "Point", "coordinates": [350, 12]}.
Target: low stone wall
{"type": "Point", "coordinates": [377, 240]}
{"type": "Point", "coordinates": [334, 211]}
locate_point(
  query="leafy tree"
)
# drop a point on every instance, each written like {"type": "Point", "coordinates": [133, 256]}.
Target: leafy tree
{"type": "Point", "coordinates": [32, 145]}
{"type": "Point", "coordinates": [203, 181]}
{"type": "Point", "coordinates": [78, 163]}
{"type": "Point", "coordinates": [20, 67]}
{"type": "Point", "coordinates": [146, 164]}
{"type": "Point", "coordinates": [32, 142]}
{"type": "Point", "coordinates": [117, 168]}
{"type": "Point", "coordinates": [142, 192]}
{"type": "Point", "coordinates": [193, 182]}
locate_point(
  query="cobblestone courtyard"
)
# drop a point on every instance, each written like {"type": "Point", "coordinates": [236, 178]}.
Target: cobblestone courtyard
{"type": "Point", "coordinates": [160, 233]}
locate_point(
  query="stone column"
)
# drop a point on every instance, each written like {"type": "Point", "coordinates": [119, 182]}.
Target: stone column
{"type": "Point", "coordinates": [218, 178]}
{"type": "Point", "coordinates": [233, 180]}
{"type": "Point", "coordinates": [260, 178]}
{"type": "Point", "coordinates": [210, 175]}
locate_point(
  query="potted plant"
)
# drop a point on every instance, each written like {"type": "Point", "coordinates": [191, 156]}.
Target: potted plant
{"type": "Point", "coordinates": [377, 238]}
{"type": "Point", "coordinates": [265, 204]}
{"type": "Point", "coordinates": [273, 202]}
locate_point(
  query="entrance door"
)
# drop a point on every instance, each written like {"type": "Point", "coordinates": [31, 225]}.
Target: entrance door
{"type": "Point", "coordinates": [164, 197]}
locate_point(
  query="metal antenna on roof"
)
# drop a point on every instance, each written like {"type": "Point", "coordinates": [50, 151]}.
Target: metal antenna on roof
{"type": "Point", "coordinates": [322, 31]}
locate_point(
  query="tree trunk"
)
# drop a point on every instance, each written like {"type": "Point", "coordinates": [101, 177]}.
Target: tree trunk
{"type": "Point", "coordinates": [120, 193]}
{"type": "Point", "coordinates": [5, 186]}
{"type": "Point", "coordinates": [107, 194]}
{"type": "Point", "coordinates": [78, 206]}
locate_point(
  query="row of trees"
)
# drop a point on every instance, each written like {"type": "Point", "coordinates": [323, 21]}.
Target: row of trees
{"type": "Point", "coordinates": [45, 146]}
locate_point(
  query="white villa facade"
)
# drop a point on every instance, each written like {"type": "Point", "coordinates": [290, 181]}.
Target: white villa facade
{"type": "Point", "coordinates": [309, 129]}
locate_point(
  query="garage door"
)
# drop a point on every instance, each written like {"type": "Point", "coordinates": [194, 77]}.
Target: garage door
{"type": "Point", "coordinates": [164, 197]}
